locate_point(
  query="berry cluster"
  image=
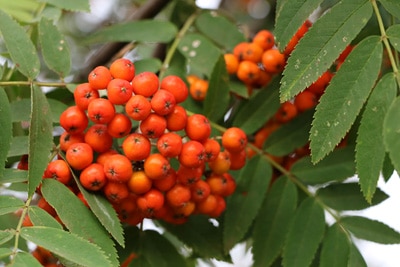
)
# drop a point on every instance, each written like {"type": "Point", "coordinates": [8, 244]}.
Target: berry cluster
{"type": "Point", "coordinates": [128, 137]}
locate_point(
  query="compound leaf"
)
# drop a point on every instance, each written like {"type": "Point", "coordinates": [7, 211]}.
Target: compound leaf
{"type": "Point", "coordinates": [261, 106]}
{"type": "Point", "coordinates": [40, 138]}
{"type": "Point", "coordinates": [6, 129]}
{"type": "Point", "coordinates": [67, 245]}
{"type": "Point", "coordinates": [9, 204]}
{"type": "Point", "coordinates": [227, 34]}
{"type": "Point", "coordinates": [372, 230]}
{"type": "Point", "coordinates": [337, 166]}
{"type": "Point", "coordinates": [347, 196]}
{"type": "Point", "coordinates": [392, 6]}
{"type": "Point", "coordinates": [305, 234]}
{"type": "Point", "coordinates": [19, 45]}
{"type": "Point", "coordinates": [252, 184]}
{"type": "Point", "coordinates": [217, 98]}
{"type": "Point", "coordinates": [156, 31]}
{"type": "Point", "coordinates": [370, 135]}
{"type": "Point", "coordinates": [393, 33]}
{"type": "Point", "coordinates": [345, 96]}
{"type": "Point", "coordinates": [6, 235]}
{"type": "Point", "coordinates": [322, 45]}
{"type": "Point", "coordinates": [24, 259]}
{"type": "Point", "coordinates": [54, 47]}
{"type": "Point", "coordinates": [40, 217]}
{"type": "Point", "coordinates": [290, 18]}
{"type": "Point", "coordinates": [391, 132]}
{"type": "Point", "coordinates": [335, 247]}
{"type": "Point", "coordinates": [77, 217]}
{"type": "Point", "coordinates": [71, 5]}
{"type": "Point", "coordinates": [272, 223]}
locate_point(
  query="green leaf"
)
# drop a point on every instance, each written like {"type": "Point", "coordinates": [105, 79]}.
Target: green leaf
{"type": "Point", "coordinates": [54, 47]}
{"type": "Point", "coordinates": [22, 10]}
{"type": "Point", "coordinates": [316, 52]}
{"type": "Point", "coordinates": [387, 169]}
{"type": "Point", "coordinates": [5, 252]}
{"type": "Point", "coordinates": [20, 110]}
{"type": "Point", "coordinates": [250, 192]}
{"type": "Point", "coordinates": [6, 129]}
{"type": "Point", "coordinates": [392, 6]}
{"type": "Point", "coordinates": [40, 138]}
{"type": "Point", "coordinates": [19, 146]}
{"type": "Point", "coordinates": [24, 259]}
{"type": "Point", "coordinates": [67, 245]}
{"type": "Point", "coordinates": [273, 220]}
{"type": "Point", "coordinates": [40, 217]}
{"type": "Point", "coordinates": [337, 166]}
{"type": "Point", "coordinates": [133, 31]}
{"type": "Point", "coordinates": [57, 107]}
{"type": "Point", "coordinates": [305, 234]}
{"type": "Point", "coordinates": [11, 175]}
{"type": "Point", "coordinates": [19, 45]}
{"type": "Point", "coordinates": [393, 33]}
{"type": "Point", "coordinates": [391, 132]}
{"type": "Point", "coordinates": [205, 241]}
{"type": "Point", "coordinates": [147, 64]}
{"type": "Point", "coordinates": [344, 97]}
{"type": "Point", "coordinates": [226, 35]}
{"type": "Point", "coordinates": [355, 257]}
{"type": "Point", "coordinates": [77, 217]}
{"type": "Point", "coordinates": [370, 135]}
{"type": "Point", "coordinates": [258, 109]}
{"type": "Point", "coordinates": [9, 204]}
{"type": "Point", "coordinates": [335, 247]}
{"type": "Point", "coordinates": [104, 211]}
{"type": "Point", "coordinates": [201, 54]}
{"type": "Point", "coordinates": [217, 98]}
{"type": "Point", "coordinates": [289, 19]}
{"type": "Point", "coordinates": [347, 196]}
{"type": "Point", "coordinates": [6, 235]}
{"type": "Point", "coordinates": [372, 230]}
{"type": "Point", "coordinates": [71, 5]}
{"type": "Point", "coordinates": [155, 250]}
{"type": "Point", "coordinates": [290, 136]}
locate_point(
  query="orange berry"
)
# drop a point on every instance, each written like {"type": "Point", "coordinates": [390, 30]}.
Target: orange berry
{"type": "Point", "coordinates": [265, 39]}
{"type": "Point", "coordinates": [231, 62]}
{"type": "Point", "coordinates": [122, 68]}
{"type": "Point", "coordinates": [273, 61]}
{"type": "Point", "coordinates": [99, 78]}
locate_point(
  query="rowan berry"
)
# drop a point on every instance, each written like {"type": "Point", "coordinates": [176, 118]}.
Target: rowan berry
{"type": "Point", "coordinates": [150, 202]}
{"type": "Point", "coordinates": [198, 89]}
{"type": "Point", "coordinates": [163, 102]}
{"type": "Point", "coordinates": [120, 126]}
{"type": "Point", "coordinates": [231, 62]}
{"type": "Point", "coordinates": [115, 192]}
{"type": "Point", "coordinates": [192, 154]}
{"type": "Point", "coordinates": [198, 127]}
{"type": "Point", "coordinates": [211, 149]}
{"type": "Point", "coordinates": [177, 119]}
{"type": "Point", "coordinates": [153, 126]}
{"type": "Point", "coordinates": [139, 183]}
{"type": "Point", "coordinates": [176, 86]}
{"type": "Point", "coordinates": [122, 68]}
{"type": "Point", "coordinates": [200, 190]}
{"type": "Point", "coordinates": [119, 91]}
{"type": "Point", "coordinates": [234, 139]}
{"type": "Point", "coordinates": [248, 72]}
{"type": "Point", "coordinates": [178, 195]}
{"type": "Point", "coordinates": [93, 177]}
{"type": "Point", "coordinates": [167, 182]}
{"type": "Point", "coordinates": [136, 147]}
{"type": "Point", "coordinates": [118, 168]}
{"type": "Point", "coordinates": [59, 170]}
{"type": "Point", "coordinates": [237, 159]}
{"type": "Point", "coordinates": [79, 155]}
{"type": "Point", "coordinates": [169, 144]}
{"type": "Point", "coordinates": [98, 138]}
{"type": "Point", "coordinates": [156, 166]}
{"type": "Point", "coordinates": [265, 39]}
{"type": "Point", "coordinates": [221, 163]}
{"type": "Point", "coordinates": [101, 111]}
{"type": "Point", "coordinates": [83, 94]}
{"type": "Point", "coordinates": [305, 100]}
{"type": "Point", "coordinates": [74, 120]}
{"type": "Point", "coordinates": [286, 112]}
{"type": "Point", "coordinates": [273, 61]}
{"type": "Point", "coordinates": [67, 139]}
{"type": "Point", "coordinates": [145, 84]}
{"type": "Point", "coordinates": [188, 175]}
{"type": "Point", "coordinates": [99, 77]}
{"type": "Point", "coordinates": [138, 107]}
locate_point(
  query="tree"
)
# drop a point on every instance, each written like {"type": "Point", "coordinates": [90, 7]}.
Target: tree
{"type": "Point", "coordinates": [264, 130]}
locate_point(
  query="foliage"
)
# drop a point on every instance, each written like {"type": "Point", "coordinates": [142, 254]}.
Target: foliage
{"type": "Point", "coordinates": [296, 171]}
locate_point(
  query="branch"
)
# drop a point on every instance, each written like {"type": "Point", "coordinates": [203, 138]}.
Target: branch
{"type": "Point", "coordinates": [101, 57]}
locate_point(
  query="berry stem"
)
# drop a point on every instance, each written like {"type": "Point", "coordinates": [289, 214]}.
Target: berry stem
{"type": "Point", "coordinates": [177, 40]}
{"type": "Point", "coordinates": [386, 41]}
{"type": "Point", "coordinates": [23, 83]}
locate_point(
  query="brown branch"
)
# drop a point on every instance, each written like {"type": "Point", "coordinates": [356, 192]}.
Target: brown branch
{"type": "Point", "coordinates": [103, 54]}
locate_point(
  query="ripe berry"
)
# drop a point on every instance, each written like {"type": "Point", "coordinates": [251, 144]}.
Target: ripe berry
{"type": "Point", "coordinates": [163, 102]}
{"type": "Point", "coordinates": [156, 166]}
{"type": "Point", "coordinates": [176, 86]}
{"type": "Point", "coordinates": [79, 155]}
{"type": "Point", "coordinates": [192, 154]}
{"type": "Point", "coordinates": [234, 139]}
{"type": "Point", "coordinates": [83, 94]}
{"type": "Point", "coordinates": [119, 91]}
{"type": "Point", "coordinates": [99, 78]}
{"type": "Point", "coordinates": [101, 111]}
{"type": "Point", "coordinates": [118, 168]}
{"type": "Point", "coordinates": [198, 127]}
{"type": "Point", "coordinates": [136, 147]}
{"type": "Point", "coordinates": [74, 120]}
{"type": "Point", "coordinates": [138, 107]}
{"type": "Point", "coordinates": [145, 84]}
{"type": "Point", "coordinates": [122, 68]}
{"type": "Point", "coordinates": [93, 177]}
